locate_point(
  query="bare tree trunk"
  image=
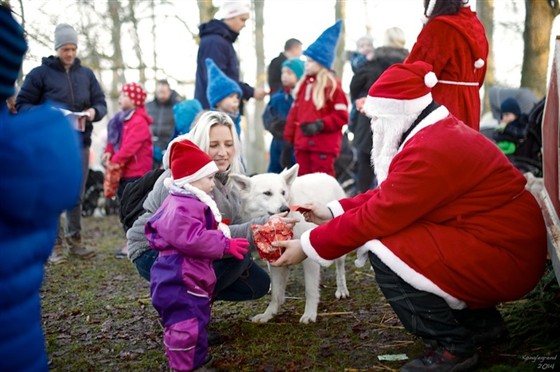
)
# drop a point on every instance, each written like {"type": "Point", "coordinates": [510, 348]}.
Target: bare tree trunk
{"type": "Point", "coordinates": [485, 12]}
{"type": "Point", "coordinates": [115, 12]}
{"type": "Point", "coordinates": [206, 10]}
{"type": "Point", "coordinates": [254, 138]}
{"type": "Point", "coordinates": [340, 13]}
{"type": "Point", "coordinates": [154, 38]}
{"type": "Point", "coordinates": [539, 16]}
{"type": "Point", "coordinates": [19, 80]}
{"type": "Point", "coordinates": [136, 41]}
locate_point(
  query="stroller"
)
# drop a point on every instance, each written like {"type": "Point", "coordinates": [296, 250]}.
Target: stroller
{"type": "Point", "coordinates": [92, 193]}
{"type": "Point", "coordinates": [528, 154]}
{"type": "Point", "coordinates": [93, 196]}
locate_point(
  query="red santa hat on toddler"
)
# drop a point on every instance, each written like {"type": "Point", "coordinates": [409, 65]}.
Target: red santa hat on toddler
{"type": "Point", "coordinates": [189, 163]}
{"type": "Point", "coordinates": [135, 93]}
{"type": "Point", "coordinates": [403, 89]}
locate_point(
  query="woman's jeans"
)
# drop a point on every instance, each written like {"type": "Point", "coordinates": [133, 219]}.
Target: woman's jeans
{"type": "Point", "coordinates": [422, 313]}
{"type": "Point", "coordinates": [237, 280]}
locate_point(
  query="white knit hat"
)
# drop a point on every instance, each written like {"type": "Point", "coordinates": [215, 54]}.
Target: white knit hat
{"type": "Point", "coordinates": [233, 8]}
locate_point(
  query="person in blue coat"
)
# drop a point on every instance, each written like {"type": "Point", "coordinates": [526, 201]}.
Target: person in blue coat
{"type": "Point", "coordinates": [40, 168]}
{"type": "Point", "coordinates": [216, 42]}
{"type": "Point", "coordinates": [63, 79]}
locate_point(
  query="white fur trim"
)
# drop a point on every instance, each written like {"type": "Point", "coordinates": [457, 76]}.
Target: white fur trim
{"type": "Point", "coordinates": [479, 63]}
{"type": "Point", "coordinates": [430, 79]}
{"type": "Point", "coordinates": [206, 170]}
{"type": "Point", "coordinates": [430, 8]}
{"type": "Point", "coordinates": [310, 252]}
{"type": "Point", "coordinates": [408, 274]}
{"type": "Point", "coordinates": [438, 114]}
{"type": "Point", "coordinates": [336, 208]}
{"type": "Point", "coordinates": [376, 106]}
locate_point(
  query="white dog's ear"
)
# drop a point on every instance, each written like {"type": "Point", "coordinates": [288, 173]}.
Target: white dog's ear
{"type": "Point", "coordinates": [242, 182]}
{"type": "Point", "coordinates": [290, 174]}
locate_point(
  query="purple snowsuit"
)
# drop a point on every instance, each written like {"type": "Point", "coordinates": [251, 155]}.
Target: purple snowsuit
{"type": "Point", "coordinates": [184, 231]}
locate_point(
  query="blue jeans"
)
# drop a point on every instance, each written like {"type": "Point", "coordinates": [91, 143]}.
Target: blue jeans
{"type": "Point", "coordinates": [237, 280]}
{"type": "Point", "coordinates": [421, 313]}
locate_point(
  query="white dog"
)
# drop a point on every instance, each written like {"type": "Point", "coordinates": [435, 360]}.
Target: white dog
{"type": "Point", "coordinates": [271, 193]}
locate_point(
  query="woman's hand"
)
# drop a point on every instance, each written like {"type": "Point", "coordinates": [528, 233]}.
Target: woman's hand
{"type": "Point", "coordinates": [290, 221]}
{"type": "Point", "coordinates": [318, 214]}
{"type": "Point", "coordinates": [293, 255]}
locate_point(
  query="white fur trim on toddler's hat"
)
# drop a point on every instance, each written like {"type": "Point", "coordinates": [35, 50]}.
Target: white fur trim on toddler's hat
{"type": "Point", "coordinates": [189, 163]}
{"type": "Point", "coordinates": [233, 8]}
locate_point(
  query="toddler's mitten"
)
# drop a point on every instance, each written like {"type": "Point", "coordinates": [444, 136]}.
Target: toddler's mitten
{"type": "Point", "coordinates": [237, 247]}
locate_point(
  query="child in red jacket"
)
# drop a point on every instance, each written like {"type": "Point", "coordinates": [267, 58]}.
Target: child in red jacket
{"type": "Point", "coordinates": [320, 109]}
{"type": "Point", "coordinates": [129, 141]}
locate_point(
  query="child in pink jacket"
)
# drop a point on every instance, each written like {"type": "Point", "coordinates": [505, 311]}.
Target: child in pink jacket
{"type": "Point", "coordinates": [129, 140]}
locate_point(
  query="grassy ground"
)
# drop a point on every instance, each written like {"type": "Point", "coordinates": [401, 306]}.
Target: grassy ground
{"type": "Point", "coordinates": [97, 316]}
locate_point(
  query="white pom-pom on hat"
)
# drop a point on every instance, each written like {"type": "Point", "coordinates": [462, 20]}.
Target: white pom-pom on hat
{"type": "Point", "coordinates": [479, 63]}
{"type": "Point", "coordinates": [430, 79]}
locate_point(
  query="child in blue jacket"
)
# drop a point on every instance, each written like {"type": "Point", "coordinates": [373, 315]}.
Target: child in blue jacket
{"type": "Point", "coordinates": [276, 112]}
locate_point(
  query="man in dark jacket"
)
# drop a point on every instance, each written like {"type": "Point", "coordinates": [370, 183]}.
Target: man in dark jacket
{"type": "Point", "coordinates": [161, 112]}
{"type": "Point", "coordinates": [216, 42]}
{"type": "Point", "coordinates": [392, 52]}
{"type": "Point", "coordinates": [64, 82]}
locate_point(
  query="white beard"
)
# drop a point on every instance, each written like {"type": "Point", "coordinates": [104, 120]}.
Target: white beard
{"type": "Point", "coordinates": [387, 132]}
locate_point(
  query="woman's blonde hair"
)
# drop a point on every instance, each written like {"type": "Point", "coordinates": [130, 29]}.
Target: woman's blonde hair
{"type": "Point", "coordinates": [324, 78]}
{"type": "Point", "coordinates": [394, 37]}
{"type": "Point", "coordinates": [200, 135]}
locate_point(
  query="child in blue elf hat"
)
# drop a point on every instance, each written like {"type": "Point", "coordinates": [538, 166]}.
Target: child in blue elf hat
{"type": "Point", "coordinates": [223, 93]}
{"type": "Point", "coordinates": [276, 112]}
{"type": "Point", "coordinates": [320, 109]}
{"type": "Point", "coordinates": [512, 128]}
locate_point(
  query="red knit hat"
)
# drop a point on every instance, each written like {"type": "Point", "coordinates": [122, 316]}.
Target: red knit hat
{"type": "Point", "coordinates": [135, 93]}
{"type": "Point", "coordinates": [189, 163]}
{"type": "Point", "coordinates": [404, 88]}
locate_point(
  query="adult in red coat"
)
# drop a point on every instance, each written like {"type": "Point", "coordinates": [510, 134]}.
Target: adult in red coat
{"type": "Point", "coordinates": [451, 230]}
{"type": "Point", "coordinates": [454, 42]}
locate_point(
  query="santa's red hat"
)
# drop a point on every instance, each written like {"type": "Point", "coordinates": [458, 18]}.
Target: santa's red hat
{"type": "Point", "coordinates": [135, 93]}
{"type": "Point", "coordinates": [189, 163]}
{"type": "Point", "coordinates": [403, 89]}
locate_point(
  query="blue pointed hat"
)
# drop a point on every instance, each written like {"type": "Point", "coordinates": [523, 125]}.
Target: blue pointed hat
{"type": "Point", "coordinates": [12, 50]}
{"type": "Point", "coordinates": [323, 50]}
{"type": "Point", "coordinates": [219, 84]}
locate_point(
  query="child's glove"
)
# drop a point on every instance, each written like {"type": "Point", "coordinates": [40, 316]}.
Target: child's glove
{"type": "Point", "coordinates": [237, 247]}
{"type": "Point", "coordinates": [310, 129]}
{"type": "Point", "coordinates": [286, 155]}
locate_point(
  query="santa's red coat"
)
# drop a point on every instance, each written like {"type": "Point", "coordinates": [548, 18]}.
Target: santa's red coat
{"type": "Point", "coordinates": [452, 218]}
{"type": "Point", "coordinates": [451, 44]}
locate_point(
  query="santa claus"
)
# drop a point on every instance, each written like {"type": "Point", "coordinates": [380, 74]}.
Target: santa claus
{"type": "Point", "coordinates": [448, 231]}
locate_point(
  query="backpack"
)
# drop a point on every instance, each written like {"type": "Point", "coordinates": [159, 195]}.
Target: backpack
{"type": "Point", "coordinates": [134, 194]}
{"type": "Point", "coordinates": [528, 155]}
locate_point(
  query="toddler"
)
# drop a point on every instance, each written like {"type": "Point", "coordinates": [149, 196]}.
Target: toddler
{"type": "Point", "coordinates": [512, 127]}
{"type": "Point", "coordinates": [276, 112]}
{"type": "Point", "coordinates": [189, 234]}
{"type": "Point", "coordinates": [129, 140]}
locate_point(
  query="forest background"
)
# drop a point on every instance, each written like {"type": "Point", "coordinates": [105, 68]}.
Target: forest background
{"type": "Point", "coordinates": [147, 40]}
